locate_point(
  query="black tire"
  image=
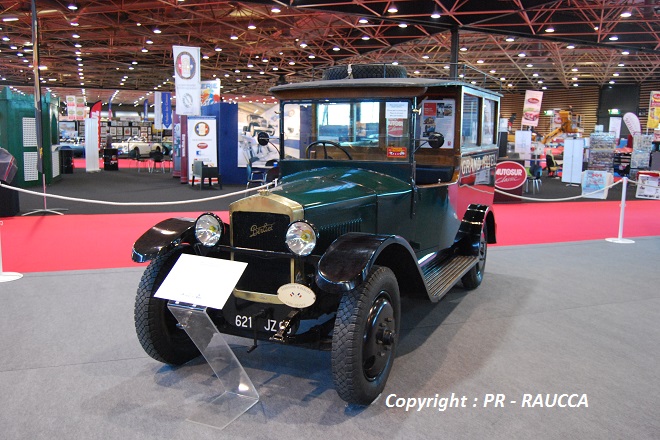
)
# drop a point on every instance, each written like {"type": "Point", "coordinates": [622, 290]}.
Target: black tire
{"type": "Point", "coordinates": [365, 71]}
{"type": "Point", "coordinates": [473, 278]}
{"type": "Point", "coordinates": [365, 337]}
{"type": "Point", "coordinates": [155, 325]}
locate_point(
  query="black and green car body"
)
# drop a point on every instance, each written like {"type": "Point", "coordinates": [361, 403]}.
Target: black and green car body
{"type": "Point", "coordinates": [384, 191]}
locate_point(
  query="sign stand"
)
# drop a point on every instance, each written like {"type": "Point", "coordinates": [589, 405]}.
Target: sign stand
{"type": "Point", "coordinates": [619, 239]}
{"type": "Point", "coordinates": [239, 393]}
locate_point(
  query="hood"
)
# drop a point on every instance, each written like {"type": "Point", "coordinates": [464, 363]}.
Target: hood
{"type": "Point", "coordinates": [322, 186]}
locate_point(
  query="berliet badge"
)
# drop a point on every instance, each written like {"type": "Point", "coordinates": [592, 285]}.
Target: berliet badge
{"type": "Point", "coordinates": [258, 230]}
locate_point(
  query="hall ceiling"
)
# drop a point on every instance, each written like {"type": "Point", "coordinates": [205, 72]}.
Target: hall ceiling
{"type": "Point", "coordinates": [306, 36]}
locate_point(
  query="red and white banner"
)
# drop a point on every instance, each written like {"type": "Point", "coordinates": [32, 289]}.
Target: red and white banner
{"type": "Point", "coordinates": [532, 108]}
{"type": "Point", "coordinates": [187, 80]}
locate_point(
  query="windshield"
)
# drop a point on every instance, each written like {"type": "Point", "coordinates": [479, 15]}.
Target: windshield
{"type": "Point", "coordinates": [375, 130]}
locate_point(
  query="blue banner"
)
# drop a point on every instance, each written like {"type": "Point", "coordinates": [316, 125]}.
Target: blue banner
{"type": "Point", "coordinates": [166, 105]}
{"type": "Point", "coordinates": [146, 110]}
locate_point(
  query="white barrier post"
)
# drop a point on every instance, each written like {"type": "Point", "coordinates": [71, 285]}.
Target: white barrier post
{"type": "Point", "coordinates": [6, 276]}
{"type": "Point", "coordinates": [620, 238]}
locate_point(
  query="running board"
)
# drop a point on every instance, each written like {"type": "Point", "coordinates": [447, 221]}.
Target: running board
{"type": "Point", "coordinates": [441, 275]}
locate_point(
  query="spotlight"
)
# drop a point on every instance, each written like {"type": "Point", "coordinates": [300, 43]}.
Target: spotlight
{"type": "Point", "coordinates": [72, 6]}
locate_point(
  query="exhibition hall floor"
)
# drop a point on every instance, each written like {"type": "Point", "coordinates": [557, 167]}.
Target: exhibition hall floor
{"type": "Point", "coordinates": [577, 319]}
{"type": "Point", "coordinates": [574, 318]}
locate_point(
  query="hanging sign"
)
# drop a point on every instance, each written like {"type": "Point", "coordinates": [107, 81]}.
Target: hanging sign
{"type": "Point", "coordinates": [187, 80]}
{"type": "Point", "coordinates": [163, 111]}
{"type": "Point", "coordinates": [654, 111]}
{"type": "Point", "coordinates": [532, 108]}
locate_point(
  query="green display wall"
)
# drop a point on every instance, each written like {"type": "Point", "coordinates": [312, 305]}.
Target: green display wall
{"type": "Point", "coordinates": [18, 136]}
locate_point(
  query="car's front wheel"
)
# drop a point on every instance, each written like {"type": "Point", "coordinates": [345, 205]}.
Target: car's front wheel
{"type": "Point", "coordinates": [157, 329]}
{"type": "Point", "coordinates": [365, 337]}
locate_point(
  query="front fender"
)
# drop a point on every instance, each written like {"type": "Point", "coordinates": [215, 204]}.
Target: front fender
{"type": "Point", "coordinates": [162, 237]}
{"type": "Point", "coordinates": [348, 260]}
{"type": "Point", "coordinates": [476, 217]}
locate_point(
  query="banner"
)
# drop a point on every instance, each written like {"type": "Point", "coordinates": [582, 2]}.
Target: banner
{"type": "Point", "coordinates": [532, 108]}
{"type": "Point", "coordinates": [145, 117]}
{"type": "Point", "coordinates": [163, 111]}
{"type": "Point", "coordinates": [187, 80]}
{"type": "Point", "coordinates": [654, 111]}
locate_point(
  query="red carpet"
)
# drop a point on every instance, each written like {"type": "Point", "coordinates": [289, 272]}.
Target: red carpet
{"type": "Point", "coordinates": [78, 242]}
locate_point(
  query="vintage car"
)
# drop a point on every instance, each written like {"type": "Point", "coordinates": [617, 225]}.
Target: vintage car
{"type": "Point", "coordinates": [137, 145]}
{"type": "Point", "coordinates": [354, 223]}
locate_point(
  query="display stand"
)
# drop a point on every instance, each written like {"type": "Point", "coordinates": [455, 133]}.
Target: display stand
{"type": "Point", "coordinates": [239, 393]}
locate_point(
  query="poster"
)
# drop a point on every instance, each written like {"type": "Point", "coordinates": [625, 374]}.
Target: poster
{"type": "Point", "coordinates": [202, 142]}
{"type": "Point", "coordinates": [532, 108]}
{"type": "Point", "coordinates": [648, 185]}
{"type": "Point", "coordinates": [210, 92]}
{"type": "Point", "coordinates": [187, 80]}
{"type": "Point", "coordinates": [595, 183]}
{"type": "Point", "coordinates": [438, 116]}
{"type": "Point", "coordinates": [250, 124]}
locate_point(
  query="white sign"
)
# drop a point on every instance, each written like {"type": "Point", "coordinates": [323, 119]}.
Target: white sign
{"type": "Point", "coordinates": [202, 281]}
{"type": "Point", "coordinates": [202, 141]}
{"type": "Point", "coordinates": [396, 110]}
{"type": "Point", "coordinates": [187, 80]}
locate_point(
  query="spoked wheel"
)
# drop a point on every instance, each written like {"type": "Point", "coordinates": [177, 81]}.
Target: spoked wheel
{"type": "Point", "coordinates": [157, 329]}
{"type": "Point", "coordinates": [473, 278]}
{"type": "Point", "coordinates": [365, 336]}
{"type": "Point", "coordinates": [325, 144]}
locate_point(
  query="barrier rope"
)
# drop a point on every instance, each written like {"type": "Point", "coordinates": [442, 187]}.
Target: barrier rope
{"type": "Point", "coordinates": [103, 202]}
{"type": "Point", "coordinates": [274, 184]}
{"type": "Point", "coordinates": [534, 199]}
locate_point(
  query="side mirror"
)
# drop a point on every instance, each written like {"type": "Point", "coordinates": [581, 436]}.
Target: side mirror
{"type": "Point", "coordinates": [262, 138]}
{"type": "Point", "coordinates": [436, 140]}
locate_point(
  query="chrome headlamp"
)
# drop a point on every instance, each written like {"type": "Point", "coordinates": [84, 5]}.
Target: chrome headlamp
{"type": "Point", "coordinates": [301, 238]}
{"type": "Point", "coordinates": [208, 229]}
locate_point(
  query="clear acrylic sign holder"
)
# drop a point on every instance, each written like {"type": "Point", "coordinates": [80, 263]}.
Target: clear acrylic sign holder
{"type": "Point", "coordinates": [239, 393]}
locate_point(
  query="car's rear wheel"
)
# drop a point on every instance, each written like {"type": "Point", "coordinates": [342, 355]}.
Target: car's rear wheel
{"type": "Point", "coordinates": [365, 337]}
{"type": "Point", "coordinates": [157, 329]}
{"type": "Point", "coordinates": [475, 276]}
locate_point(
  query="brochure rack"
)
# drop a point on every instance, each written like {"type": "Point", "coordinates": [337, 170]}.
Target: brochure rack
{"type": "Point", "coordinates": [239, 393]}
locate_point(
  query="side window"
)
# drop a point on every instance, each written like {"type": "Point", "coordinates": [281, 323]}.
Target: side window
{"type": "Point", "coordinates": [469, 127]}
{"type": "Point", "coordinates": [488, 125]}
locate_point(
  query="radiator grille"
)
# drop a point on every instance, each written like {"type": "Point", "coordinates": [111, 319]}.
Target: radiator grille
{"type": "Point", "coordinates": [260, 230]}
